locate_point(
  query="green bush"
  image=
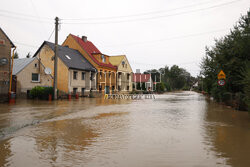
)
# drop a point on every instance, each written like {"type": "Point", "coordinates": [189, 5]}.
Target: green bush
{"type": "Point", "coordinates": [41, 92]}
{"type": "Point", "coordinates": [160, 87]}
{"type": "Point", "coordinates": [227, 98]}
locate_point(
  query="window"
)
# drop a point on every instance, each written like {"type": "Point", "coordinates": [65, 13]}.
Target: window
{"type": "Point", "coordinates": [92, 75]}
{"type": "Point", "coordinates": [127, 87]}
{"type": "Point", "coordinates": [35, 77]}
{"type": "Point", "coordinates": [75, 75]}
{"type": "Point", "coordinates": [100, 73]}
{"type": "Point", "coordinates": [2, 42]}
{"type": "Point", "coordinates": [100, 88]}
{"type": "Point", "coordinates": [35, 65]}
{"type": "Point", "coordinates": [83, 89]}
{"type": "Point", "coordinates": [83, 75]}
{"type": "Point", "coordinates": [128, 76]}
{"type": "Point", "coordinates": [123, 63]}
{"type": "Point", "coordinates": [103, 59]}
{"type": "Point", "coordinates": [74, 91]}
{"type": "Point", "coordinates": [119, 88]}
{"type": "Point", "coordinates": [109, 74]}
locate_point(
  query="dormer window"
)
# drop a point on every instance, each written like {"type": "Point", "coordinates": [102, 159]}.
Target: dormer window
{"type": "Point", "coordinates": [103, 59]}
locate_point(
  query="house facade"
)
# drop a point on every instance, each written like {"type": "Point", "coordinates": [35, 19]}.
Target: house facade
{"type": "Point", "coordinates": [5, 62]}
{"type": "Point", "coordinates": [27, 74]}
{"type": "Point", "coordinates": [106, 72]}
{"type": "Point", "coordinates": [75, 73]}
{"type": "Point", "coordinates": [124, 73]}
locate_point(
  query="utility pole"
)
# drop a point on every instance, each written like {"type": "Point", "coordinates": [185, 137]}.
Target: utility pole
{"type": "Point", "coordinates": [55, 58]}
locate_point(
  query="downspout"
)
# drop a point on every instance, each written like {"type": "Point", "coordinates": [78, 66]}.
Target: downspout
{"type": "Point", "coordinates": [11, 69]}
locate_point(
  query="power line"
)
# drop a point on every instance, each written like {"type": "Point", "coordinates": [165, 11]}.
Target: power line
{"type": "Point", "coordinates": [139, 14]}
{"type": "Point", "coordinates": [23, 14]}
{"type": "Point", "coordinates": [34, 8]}
{"type": "Point", "coordinates": [138, 43]}
{"type": "Point", "coordinates": [165, 39]}
{"type": "Point", "coordinates": [24, 44]}
{"type": "Point", "coordinates": [21, 18]}
{"type": "Point", "coordinates": [51, 34]}
{"type": "Point", "coordinates": [156, 17]}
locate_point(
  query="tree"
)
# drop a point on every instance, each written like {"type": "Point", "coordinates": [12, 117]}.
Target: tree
{"type": "Point", "coordinates": [232, 55]}
{"type": "Point", "coordinates": [16, 56]}
{"type": "Point", "coordinates": [174, 78]}
{"type": "Point", "coordinates": [160, 87]}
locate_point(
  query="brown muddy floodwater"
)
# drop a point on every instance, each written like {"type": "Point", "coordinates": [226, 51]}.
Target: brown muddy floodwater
{"type": "Point", "coordinates": [176, 129]}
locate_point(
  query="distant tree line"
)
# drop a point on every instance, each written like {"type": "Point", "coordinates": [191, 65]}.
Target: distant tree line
{"type": "Point", "coordinates": [231, 54]}
{"type": "Point", "coordinates": [171, 78]}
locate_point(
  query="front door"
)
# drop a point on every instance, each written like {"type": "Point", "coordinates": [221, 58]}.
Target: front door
{"type": "Point", "coordinates": [106, 89]}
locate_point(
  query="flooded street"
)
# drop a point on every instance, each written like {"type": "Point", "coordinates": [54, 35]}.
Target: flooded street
{"type": "Point", "coordinates": [175, 129]}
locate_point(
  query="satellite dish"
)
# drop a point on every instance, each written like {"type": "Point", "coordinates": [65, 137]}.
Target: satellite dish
{"type": "Point", "coordinates": [3, 61]}
{"type": "Point", "coordinates": [47, 71]}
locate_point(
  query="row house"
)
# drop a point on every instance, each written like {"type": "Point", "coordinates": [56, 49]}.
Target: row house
{"type": "Point", "coordinates": [76, 75]}
{"type": "Point", "coordinates": [106, 72]}
{"type": "Point", "coordinates": [28, 73]}
{"type": "Point", "coordinates": [124, 73]}
{"type": "Point", "coordinates": [143, 82]}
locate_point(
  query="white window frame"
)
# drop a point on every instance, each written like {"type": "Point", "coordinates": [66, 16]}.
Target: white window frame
{"type": "Point", "coordinates": [38, 77]}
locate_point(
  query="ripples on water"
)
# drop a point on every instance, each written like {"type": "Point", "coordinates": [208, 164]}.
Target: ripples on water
{"type": "Point", "coordinates": [175, 129]}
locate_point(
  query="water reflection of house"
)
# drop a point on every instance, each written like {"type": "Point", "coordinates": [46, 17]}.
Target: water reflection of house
{"type": "Point", "coordinates": [5, 60]}
{"type": "Point", "coordinates": [142, 81]}
{"type": "Point", "coordinates": [124, 73]}
{"type": "Point", "coordinates": [75, 73]}
{"type": "Point", "coordinates": [28, 73]}
{"type": "Point", "coordinates": [106, 79]}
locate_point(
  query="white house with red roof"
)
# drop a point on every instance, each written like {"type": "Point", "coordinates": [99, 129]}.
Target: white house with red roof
{"type": "Point", "coordinates": [142, 81]}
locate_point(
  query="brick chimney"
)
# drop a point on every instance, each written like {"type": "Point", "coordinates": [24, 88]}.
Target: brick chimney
{"type": "Point", "coordinates": [84, 38]}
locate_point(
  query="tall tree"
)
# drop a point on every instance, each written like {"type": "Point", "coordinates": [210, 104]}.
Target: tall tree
{"type": "Point", "coordinates": [232, 55]}
{"type": "Point", "coordinates": [16, 56]}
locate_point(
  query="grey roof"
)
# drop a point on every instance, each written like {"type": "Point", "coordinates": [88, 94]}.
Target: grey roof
{"type": "Point", "coordinates": [20, 64]}
{"type": "Point", "coordinates": [71, 57]}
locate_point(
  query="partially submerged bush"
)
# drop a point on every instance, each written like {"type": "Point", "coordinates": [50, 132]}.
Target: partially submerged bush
{"type": "Point", "coordinates": [41, 92]}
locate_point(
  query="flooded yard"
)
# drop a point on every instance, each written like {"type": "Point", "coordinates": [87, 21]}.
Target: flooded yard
{"type": "Point", "coordinates": [175, 129]}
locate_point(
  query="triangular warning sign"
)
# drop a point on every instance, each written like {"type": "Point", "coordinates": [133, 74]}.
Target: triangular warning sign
{"type": "Point", "coordinates": [221, 75]}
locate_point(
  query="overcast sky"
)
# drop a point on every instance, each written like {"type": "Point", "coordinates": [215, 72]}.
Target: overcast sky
{"type": "Point", "coordinates": [151, 33]}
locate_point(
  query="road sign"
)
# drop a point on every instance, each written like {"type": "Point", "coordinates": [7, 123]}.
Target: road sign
{"type": "Point", "coordinates": [221, 75]}
{"type": "Point", "coordinates": [221, 82]}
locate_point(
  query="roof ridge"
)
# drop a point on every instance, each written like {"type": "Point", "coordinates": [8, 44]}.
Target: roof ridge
{"type": "Point", "coordinates": [89, 50]}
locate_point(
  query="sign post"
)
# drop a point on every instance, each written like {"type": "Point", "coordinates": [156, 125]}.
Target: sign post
{"type": "Point", "coordinates": [221, 78]}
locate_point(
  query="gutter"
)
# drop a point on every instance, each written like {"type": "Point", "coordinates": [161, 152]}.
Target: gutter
{"type": "Point", "coordinates": [11, 70]}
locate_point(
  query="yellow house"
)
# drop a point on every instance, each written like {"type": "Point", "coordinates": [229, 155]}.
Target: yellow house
{"type": "Point", "coordinates": [124, 73]}
{"type": "Point", "coordinates": [106, 76]}
{"type": "Point", "coordinates": [75, 73]}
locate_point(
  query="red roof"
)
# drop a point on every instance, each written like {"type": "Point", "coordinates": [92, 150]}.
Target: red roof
{"type": "Point", "coordinates": [138, 77]}
{"type": "Point", "coordinates": [90, 48]}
